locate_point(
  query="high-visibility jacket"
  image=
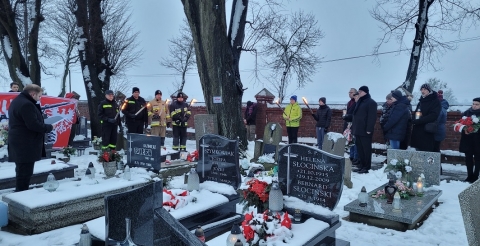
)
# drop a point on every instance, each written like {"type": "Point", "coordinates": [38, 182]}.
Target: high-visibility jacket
{"type": "Point", "coordinates": [108, 109]}
{"type": "Point", "coordinates": [179, 113]}
{"type": "Point", "coordinates": [294, 112]}
{"type": "Point", "coordinates": [158, 113]}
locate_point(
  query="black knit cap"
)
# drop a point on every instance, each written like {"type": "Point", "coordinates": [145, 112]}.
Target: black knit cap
{"type": "Point", "coordinates": [426, 87]}
{"type": "Point", "coordinates": [108, 92]}
{"type": "Point", "coordinates": [158, 92]}
{"type": "Point", "coordinates": [476, 99]}
{"type": "Point", "coordinates": [396, 94]}
{"type": "Point", "coordinates": [180, 94]}
{"type": "Point", "coordinates": [323, 99]}
{"type": "Point", "coordinates": [364, 88]}
{"type": "Point", "coordinates": [135, 89]}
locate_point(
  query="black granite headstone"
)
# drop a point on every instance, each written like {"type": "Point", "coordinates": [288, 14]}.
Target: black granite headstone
{"type": "Point", "coordinates": [269, 148]}
{"type": "Point", "coordinates": [138, 205]}
{"type": "Point", "coordinates": [218, 160]}
{"type": "Point", "coordinates": [143, 151]}
{"type": "Point", "coordinates": [172, 232]}
{"type": "Point", "coordinates": [82, 128]}
{"type": "Point", "coordinates": [311, 174]}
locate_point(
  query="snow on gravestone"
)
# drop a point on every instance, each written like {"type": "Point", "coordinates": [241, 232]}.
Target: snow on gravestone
{"type": "Point", "coordinates": [218, 160]}
{"type": "Point", "coordinates": [310, 174]}
{"type": "Point", "coordinates": [143, 151]}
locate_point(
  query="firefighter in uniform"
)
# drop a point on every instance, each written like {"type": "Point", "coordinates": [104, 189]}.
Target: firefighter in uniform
{"type": "Point", "coordinates": [136, 116]}
{"type": "Point", "coordinates": [107, 112]}
{"type": "Point", "coordinates": [179, 114]}
{"type": "Point", "coordinates": [158, 116]}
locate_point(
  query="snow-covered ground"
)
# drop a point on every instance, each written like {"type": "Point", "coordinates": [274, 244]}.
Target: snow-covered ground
{"type": "Point", "coordinates": [443, 227]}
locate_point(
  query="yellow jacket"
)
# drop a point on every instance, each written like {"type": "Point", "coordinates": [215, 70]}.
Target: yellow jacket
{"type": "Point", "coordinates": [158, 113]}
{"type": "Point", "coordinates": [294, 112]}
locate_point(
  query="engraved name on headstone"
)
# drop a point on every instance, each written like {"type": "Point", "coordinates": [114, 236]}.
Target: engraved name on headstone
{"type": "Point", "coordinates": [143, 151]}
{"type": "Point", "coordinates": [311, 174]}
{"type": "Point", "coordinates": [218, 160]}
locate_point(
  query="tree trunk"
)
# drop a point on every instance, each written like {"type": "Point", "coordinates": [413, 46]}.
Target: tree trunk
{"type": "Point", "coordinates": [217, 62]}
{"type": "Point", "coordinates": [93, 58]}
{"type": "Point", "coordinates": [19, 70]}
{"type": "Point", "coordinates": [420, 26]}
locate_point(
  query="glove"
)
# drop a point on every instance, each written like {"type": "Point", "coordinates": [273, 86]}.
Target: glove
{"type": "Point", "coordinates": [184, 119]}
{"type": "Point", "coordinates": [111, 120]}
{"type": "Point", "coordinates": [177, 122]}
{"type": "Point", "coordinates": [146, 126]}
{"type": "Point", "coordinates": [121, 129]}
{"type": "Point", "coordinates": [169, 124]}
{"type": "Point", "coordinates": [149, 127]}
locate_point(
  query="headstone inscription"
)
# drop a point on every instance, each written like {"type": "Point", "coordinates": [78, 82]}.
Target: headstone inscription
{"type": "Point", "coordinates": [311, 174]}
{"type": "Point", "coordinates": [427, 163]}
{"type": "Point", "coordinates": [138, 205]}
{"type": "Point", "coordinates": [469, 200]}
{"type": "Point", "coordinates": [205, 124]}
{"type": "Point", "coordinates": [143, 151]}
{"type": "Point", "coordinates": [218, 160]}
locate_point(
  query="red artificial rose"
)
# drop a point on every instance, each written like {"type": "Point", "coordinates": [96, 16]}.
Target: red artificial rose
{"type": "Point", "coordinates": [248, 217]}
{"type": "Point", "coordinates": [286, 221]}
{"type": "Point", "coordinates": [185, 193]}
{"type": "Point", "coordinates": [106, 157]}
{"type": "Point", "coordinates": [248, 233]}
{"type": "Point", "coordinates": [470, 129]}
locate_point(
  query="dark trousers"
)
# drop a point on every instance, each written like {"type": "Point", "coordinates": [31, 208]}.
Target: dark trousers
{"type": "Point", "coordinates": [292, 134]}
{"type": "Point", "coordinates": [23, 172]}
{"type": "Point", "coordinates": [135, 126]}
{"type": "Point", "coordinates": [179, 138]}
{"type": "Point", "coordinates": [364, 150]}
{"type": "Point", "coordinates": [436, 146]}
{"type": "Point", "coordinates": [109, 135]}
{"type": "Point", "coordinates": [472, 160]}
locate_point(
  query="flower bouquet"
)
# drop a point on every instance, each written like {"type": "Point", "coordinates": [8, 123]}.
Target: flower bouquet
{"type": "Point", "coordinates": [468, 123]}
{"type": "Point", "coordinates": [68, 151]}
{"type": "Point", "coordinates": [96, 143]}
{"type": "Point", "coordinates": [267, 228]}
{"type": "Point", "coordinates": [109, 156]}
{"type": "Point", "coordinates": [256, 194]}
{"type": "Point", "coordinates": [404, 191]}
{"type": "Point", "coordinates": [400, 169]}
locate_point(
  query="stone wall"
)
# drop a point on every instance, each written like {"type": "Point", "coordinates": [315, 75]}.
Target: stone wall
{"type": "Point", "coordinates": [268, 113]}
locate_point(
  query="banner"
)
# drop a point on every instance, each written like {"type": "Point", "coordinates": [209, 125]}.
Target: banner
{"type": "Point", "coordinates": [60, 112]}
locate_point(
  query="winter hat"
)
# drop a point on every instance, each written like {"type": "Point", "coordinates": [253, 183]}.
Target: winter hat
{"type": "Point", "coordinates": [249, 103]}
{"type": "Point", "coordinates": [158, 92]}
{"type": "Point", "coordinates": [180, 94]}
{"type": "Point", "coordinates": [426, 87]}
{"type": "Point", "coordinates": [294, 98]}
{"type": "Point", "coordinates": [364, 88]}
{"type": "Point", "coordinates": [440, 92]}
{"type": "Point", "coordinates": [477, 99]}
{"type": "Point", "coordinates": [135, 89]}
{"type": "Point", "coordinates": [397, 94]}
{"type": "Point", "coordinates": [108, 92]}
{"type": "Point", "coordinates": [323, 99]}
{"type": "Point", "coordinates": [389, 96]}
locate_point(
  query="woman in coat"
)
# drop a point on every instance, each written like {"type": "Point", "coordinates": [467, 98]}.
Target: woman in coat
{"type": "Point", "coordinates": [441, 121]}
{"type": "Point", "coordinates": [395, 127]}
{"type": "Point", "coordinates": [429, 106]}
{"type": "Point", "coordinates": [470, 145]}
{"type": "Point", "coordinates": [292, 116]}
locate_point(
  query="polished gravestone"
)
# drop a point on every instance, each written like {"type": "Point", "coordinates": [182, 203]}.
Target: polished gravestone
{"type": "Point", "coordinates": [218, 160]}
{"type": "Point", "coordinates": [272, 136]}
{"type": "Point", "coordinates": [428, 163]}
{"type": "Point", "coordinates": [311, 174]}
{"type": "Point", "coordinates": [204, 124]}
{"type": "Point", "coordinates": [469, 200]}
{"type": "Point", "coordinates": [380, 214]}
{"type": "Point", "coordinates": [143, 151]}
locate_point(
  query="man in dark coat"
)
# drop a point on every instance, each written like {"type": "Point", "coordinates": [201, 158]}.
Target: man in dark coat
{"type": "Point", "coordinates": [470, 144]}
{"type": "Point", "coordinates": [107, 112]}
{"type": "Point", "coordinates": [136, 116]}
{"type": "Point", "coordinates": [429, 107]}
{"type": "Point", "coordinates": [364, 118]}
{"type": "Point", "coordinates": [323, 118]}
{"type": "Point", "coordinates": [395, 127]}
{"type": "Point", "coordinates": [26, 134]}
{"type": "Point", "coordinates": [250, 120]}
{"type": "Point", "coordinates": [180, 113]}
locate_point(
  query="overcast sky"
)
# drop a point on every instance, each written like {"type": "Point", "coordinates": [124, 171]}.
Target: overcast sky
{"type": "Point", "coordinates": [349, 31]}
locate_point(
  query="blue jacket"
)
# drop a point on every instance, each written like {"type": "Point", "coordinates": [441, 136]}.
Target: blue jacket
{"type": "Point", "coordinates": [441, 121]}
{"type": "Point", "coordinates": [395, 127]}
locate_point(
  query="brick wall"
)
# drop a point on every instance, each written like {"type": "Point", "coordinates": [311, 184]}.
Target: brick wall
{"type": "Point", "coordinates": [307, 125]}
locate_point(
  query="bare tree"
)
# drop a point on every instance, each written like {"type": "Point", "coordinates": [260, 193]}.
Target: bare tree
{"type": "Point", "coordinates": [436, 85]}
{"type": "Point", "coordinates": [181, 58]}
{"type": "Point", "coordinates": [428, 19]}
{"type": "Point", "coordinates": [218, 54]}
{"type": "Point", "coordinates": [288, 49]}
{"type": "Point", "coordinates": [120, 83]}
{"type": "Point", "coordinates": [61, 28]}
{"type": "Point", "coordinates": [23, 63]}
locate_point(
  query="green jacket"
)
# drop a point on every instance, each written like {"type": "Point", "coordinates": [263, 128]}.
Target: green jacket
{"type": "Point", "coordinates": [294, 112]}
